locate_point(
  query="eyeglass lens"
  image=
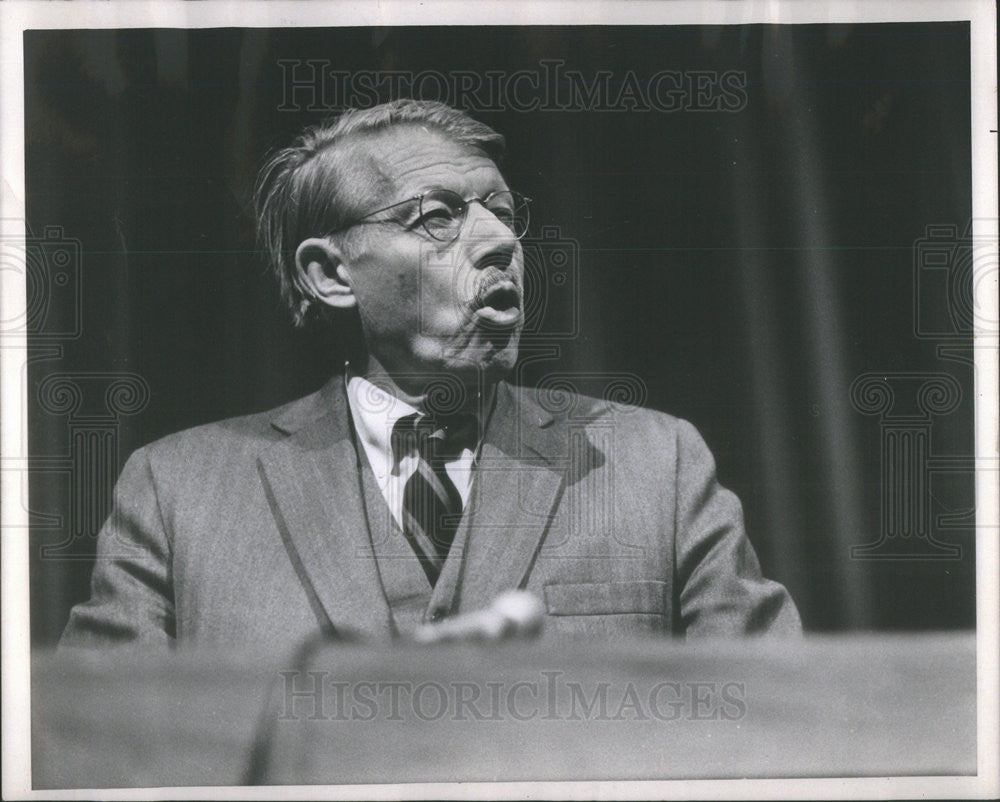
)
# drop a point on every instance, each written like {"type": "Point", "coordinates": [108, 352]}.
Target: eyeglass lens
{"type": "Point", "coordinates": [442, 212]}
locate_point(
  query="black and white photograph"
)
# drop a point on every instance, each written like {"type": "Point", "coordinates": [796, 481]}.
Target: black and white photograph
{"type": "Point", "coordinates": [442, 400]}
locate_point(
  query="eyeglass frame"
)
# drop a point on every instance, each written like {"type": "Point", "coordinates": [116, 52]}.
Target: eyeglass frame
{"type": "Point", "coordinates": [466, 201]}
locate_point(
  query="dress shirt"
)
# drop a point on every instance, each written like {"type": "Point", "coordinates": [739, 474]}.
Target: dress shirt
{"type": "Point", "coordinates": [375, 413]}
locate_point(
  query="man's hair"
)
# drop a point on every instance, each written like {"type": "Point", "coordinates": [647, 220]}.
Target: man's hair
{"type": "Point", "coordinates": [313, 187]}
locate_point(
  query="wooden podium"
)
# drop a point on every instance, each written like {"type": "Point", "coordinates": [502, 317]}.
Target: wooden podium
{"type": "Point", "coordinates": [650, 709]}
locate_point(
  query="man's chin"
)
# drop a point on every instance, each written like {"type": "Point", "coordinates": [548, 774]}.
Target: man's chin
{"type": "Point", "coordinates": [498, 369]}
{"type": "Point", "coordinates": [476, 359]}
{"type": "Point", "coordinates": [487, 368]}
{"type": "Point", "coordinates": [500, 352]}
{"type": "Point", "coordinates": [486, 362]}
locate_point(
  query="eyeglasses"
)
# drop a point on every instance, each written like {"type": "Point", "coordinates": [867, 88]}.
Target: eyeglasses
{"type": "Point", "coordinates": [442, 212]}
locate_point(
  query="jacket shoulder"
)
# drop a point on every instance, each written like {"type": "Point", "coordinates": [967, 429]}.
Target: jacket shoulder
{"type": "Point", "coordinates": [564, 405]}
{"type": "Point", "coordinates": [243, 433]}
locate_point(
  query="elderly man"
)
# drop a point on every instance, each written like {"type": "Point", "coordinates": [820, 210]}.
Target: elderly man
{"type": "Point", "coordinates": [419, 485]}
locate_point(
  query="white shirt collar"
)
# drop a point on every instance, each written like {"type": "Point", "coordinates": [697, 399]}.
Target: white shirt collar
{"type": "Point", "coordinates": [376, 410]}
{"type": "Point", "coordinates": [375, 413]}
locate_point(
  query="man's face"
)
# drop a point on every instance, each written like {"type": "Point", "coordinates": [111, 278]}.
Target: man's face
{"type": "Point", "coordinates": [430, 307]}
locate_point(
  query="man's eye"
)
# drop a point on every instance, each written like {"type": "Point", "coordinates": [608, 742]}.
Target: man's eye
{"type": "Point", "coordinates": [440, 213]}
{"type": "Point", "coordinates": [504, 213]}
{"type": "Point", "coordinates": [437, 218]}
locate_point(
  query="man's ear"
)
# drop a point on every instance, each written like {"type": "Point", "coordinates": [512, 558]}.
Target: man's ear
{"type": "Point", "coordinates": [323, 273]}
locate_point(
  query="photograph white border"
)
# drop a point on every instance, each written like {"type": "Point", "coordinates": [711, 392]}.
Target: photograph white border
{"type": "Point", "coordinates": [17, 16]}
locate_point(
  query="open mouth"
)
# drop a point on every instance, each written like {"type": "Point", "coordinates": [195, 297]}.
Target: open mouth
{"type": "Point", "coordinates": [498, 304]}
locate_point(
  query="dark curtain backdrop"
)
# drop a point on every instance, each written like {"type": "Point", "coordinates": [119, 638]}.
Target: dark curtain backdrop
{"type": "Point", "coordinates": [750, 265]}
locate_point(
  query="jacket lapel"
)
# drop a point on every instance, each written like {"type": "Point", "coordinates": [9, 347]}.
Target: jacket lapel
{"type": "Point", "coordinates": [519, 478]}
{"type": "Point", "coordinates": [311, 482]}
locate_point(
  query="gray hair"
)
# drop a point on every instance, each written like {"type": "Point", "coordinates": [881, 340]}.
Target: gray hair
{"type": "Point", "coordinates": [310, 189]}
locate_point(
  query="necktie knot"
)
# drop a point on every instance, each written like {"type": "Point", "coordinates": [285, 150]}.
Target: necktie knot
{"type": "Point", "coordinates": [433, 437]}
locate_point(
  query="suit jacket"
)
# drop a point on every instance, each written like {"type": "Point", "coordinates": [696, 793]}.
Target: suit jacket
{"type": "Point", "coordinates": [266, 529]}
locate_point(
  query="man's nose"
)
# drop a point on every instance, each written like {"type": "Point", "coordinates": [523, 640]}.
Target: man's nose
{"type": "Point", "coordinates": [489, 240]}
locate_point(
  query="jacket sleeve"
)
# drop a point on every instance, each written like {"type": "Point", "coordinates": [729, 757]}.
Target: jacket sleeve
{"type": "Point", "coordinates": [131, 592]}
{"type": "Point", "coordinates": [719, 585]}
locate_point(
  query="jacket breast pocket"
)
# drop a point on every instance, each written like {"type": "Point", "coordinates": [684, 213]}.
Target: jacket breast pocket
{"type": "Point", "coordinates": [642, 597]}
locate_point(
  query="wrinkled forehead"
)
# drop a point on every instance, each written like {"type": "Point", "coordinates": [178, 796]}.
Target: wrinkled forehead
{"type": "Point", "coordinates": [409, 159]}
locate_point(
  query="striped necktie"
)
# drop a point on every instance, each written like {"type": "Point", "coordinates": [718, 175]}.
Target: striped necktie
{"type": "Point", "coordinates": [432, 505]}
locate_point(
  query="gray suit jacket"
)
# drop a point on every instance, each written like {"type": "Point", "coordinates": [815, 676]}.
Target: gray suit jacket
{"type": "Point", "coordinates": [260, 531]}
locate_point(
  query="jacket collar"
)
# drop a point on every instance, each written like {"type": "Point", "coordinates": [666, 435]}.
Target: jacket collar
{"type": "Point", "coordinates": [519, 479]}
{"type": "Point", "coordinates": [533, 428]}
{"type": "Point", "coordinates": [329, 400]}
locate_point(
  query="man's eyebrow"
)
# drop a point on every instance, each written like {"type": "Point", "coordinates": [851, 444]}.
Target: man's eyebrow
{"type": "Point", "coordinates": [408, 212]}
{"type": "Point", "coordinates": [491, 189]}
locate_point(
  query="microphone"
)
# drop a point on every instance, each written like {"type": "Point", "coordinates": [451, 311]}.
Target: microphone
{"type": "Point", "coordinates": [512, 614]}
